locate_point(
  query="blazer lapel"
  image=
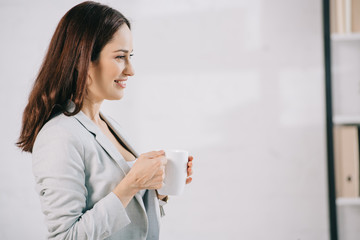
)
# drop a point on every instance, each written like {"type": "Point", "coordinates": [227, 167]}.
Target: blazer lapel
{"type": "Point", "coordinates": [103, 141]}
{"type": "Point", "coordinates": [117, 130]}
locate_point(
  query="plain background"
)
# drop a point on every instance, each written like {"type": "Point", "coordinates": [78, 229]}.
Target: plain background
{"type": "Point", "coordinates": [238, 83]}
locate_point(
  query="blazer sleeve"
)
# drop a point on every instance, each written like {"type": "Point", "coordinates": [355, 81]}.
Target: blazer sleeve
{"type": "Point", "coordinates": [59, 170]}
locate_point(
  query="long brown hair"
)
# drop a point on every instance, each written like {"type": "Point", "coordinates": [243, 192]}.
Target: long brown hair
{"type": "Point", "coordinates": [78, 39]}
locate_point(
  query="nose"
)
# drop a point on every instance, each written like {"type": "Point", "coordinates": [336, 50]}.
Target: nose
{"type": "Point", "coordinates": [129, 69]}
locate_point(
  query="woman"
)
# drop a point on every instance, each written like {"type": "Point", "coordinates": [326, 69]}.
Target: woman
{"type": "Point", "coordinates": [86, 178]}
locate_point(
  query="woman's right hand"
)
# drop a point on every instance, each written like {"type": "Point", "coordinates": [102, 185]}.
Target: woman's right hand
{"type": "Point", "coordinates": [148, 172]}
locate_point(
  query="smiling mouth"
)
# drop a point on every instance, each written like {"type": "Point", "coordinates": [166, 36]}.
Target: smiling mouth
{"type": "Point", "coordinates": [121, 83]}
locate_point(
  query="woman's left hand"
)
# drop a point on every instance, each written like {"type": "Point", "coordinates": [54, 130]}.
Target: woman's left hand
{"type": "Point", "coordinates": [189, 169]}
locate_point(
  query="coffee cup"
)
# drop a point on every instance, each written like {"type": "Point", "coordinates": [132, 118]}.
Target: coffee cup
{"type": "Point", "coordinates": [175, 172]}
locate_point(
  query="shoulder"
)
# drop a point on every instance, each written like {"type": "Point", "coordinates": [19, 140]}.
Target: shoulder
{"type": "Point", "coordinates": [61, 128]}
{"type": "Point", "coordinates": [58, 147]}
{"type": "Point", "coordinates": [61, 124]}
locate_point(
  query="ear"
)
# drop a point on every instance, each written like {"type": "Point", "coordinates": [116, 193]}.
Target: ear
{"type": "Point", "coordinates": [90, 73]}
{"type": "Point", "coordinates": [89, 80]}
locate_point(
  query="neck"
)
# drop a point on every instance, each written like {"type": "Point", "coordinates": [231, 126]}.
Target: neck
{"type": "Point", "coordinates": [91, 108]}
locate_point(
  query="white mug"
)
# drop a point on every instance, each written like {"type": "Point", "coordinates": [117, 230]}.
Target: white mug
{"type": "Point", "coordinates": [175, 172]}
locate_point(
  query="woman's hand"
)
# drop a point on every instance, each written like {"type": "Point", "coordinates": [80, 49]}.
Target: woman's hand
{"type": "Point", "coordinates": [189, 169]}
{"type": "Point", "coordinates": [148, 172]}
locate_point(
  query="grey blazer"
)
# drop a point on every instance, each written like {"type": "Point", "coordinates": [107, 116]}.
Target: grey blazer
{"type": "Point", "coordinates": [76, 167]}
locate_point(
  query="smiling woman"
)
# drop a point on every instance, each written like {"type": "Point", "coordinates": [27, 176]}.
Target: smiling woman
{"type": "Point", "coordinates": [91, 182]}
{"type": "Point", "coordinates": [77, 43]}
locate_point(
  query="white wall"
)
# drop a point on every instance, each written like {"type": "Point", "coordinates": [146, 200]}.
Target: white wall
{"type": "Point", "coordinates": [237, 83]}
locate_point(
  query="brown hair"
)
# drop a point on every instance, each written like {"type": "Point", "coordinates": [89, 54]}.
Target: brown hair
{"type": "Point", "coordinates": [78, 39]}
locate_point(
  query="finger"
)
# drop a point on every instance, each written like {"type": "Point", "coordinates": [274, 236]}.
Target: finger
{"type": "Point", "coordinates": [160, 161]}
{"type": "Point", "coordinates": [154, 154]}
{"type": "Point", "coordinates": [189, 172]}
{"type": "Point", "coordinates": [190, 158]}
{"type": "Point", "coordinates": [163, 160]}
{"type": "Point", "coordinates": [155, 181]}
{"type": "Point", "coordinates": [148, 155]}
{"type": "Point", "coordinates": [190, 164]}
{"type": "Point", "coordinates": [156, 184]}
{"type": "Point", "coordinates": [162, 171]}
{"type": "Point", "coordinates": [188, 180]}
{"type": "Point", "coordinates": [159, 181]}
{"type": "Point", "coordinates": [159, 173]}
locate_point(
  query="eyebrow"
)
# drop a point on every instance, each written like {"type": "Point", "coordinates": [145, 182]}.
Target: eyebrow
{"type": "Point", "coordinates": [123, 50]}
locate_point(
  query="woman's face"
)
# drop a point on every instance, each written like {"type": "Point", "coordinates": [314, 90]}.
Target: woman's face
{"type": "Point", "coordinates": [108, 75]}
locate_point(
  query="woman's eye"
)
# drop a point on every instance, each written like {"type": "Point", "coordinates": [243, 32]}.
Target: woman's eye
{"type": "Point", "coordinates": [123, 57]}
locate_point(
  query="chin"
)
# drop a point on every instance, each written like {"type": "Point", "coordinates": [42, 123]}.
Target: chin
{"type": "Point", "coordinates": [117, 97]}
